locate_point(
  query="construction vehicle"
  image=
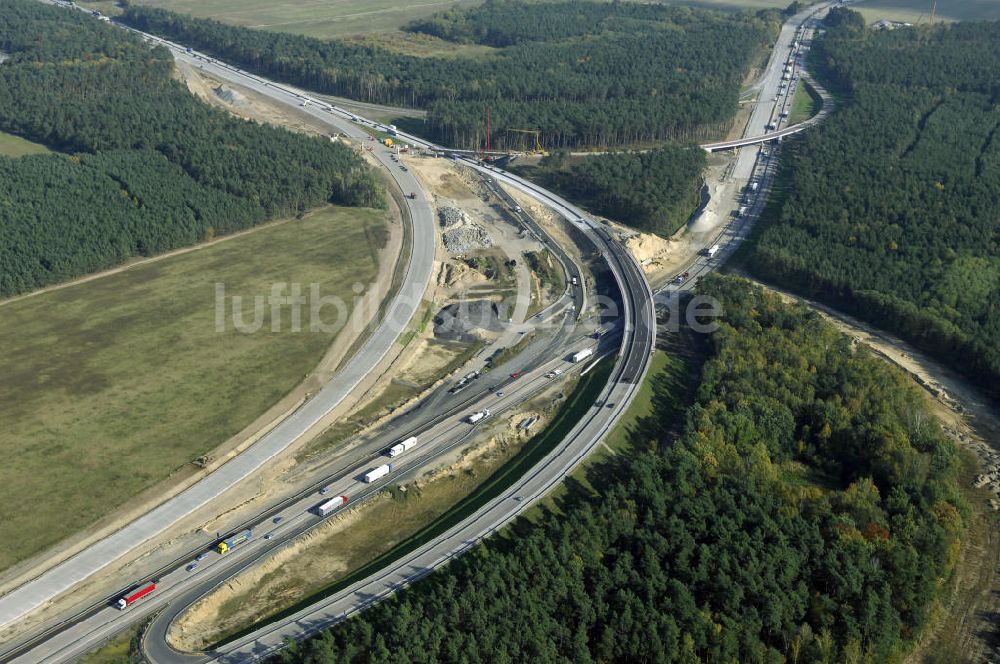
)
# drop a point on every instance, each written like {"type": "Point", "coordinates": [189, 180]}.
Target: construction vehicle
{"type": "Point", "coordinates": [537, 134]}
{"type": "Point", "coordinates": [387, 142]}
{"type": "Point", "coordinates": [227, 545]}
{"type": "Point", "coordinates": [412, 195]}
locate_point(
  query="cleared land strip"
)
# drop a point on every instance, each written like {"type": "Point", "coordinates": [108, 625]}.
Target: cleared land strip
{"type": "Point", "coordinates": [114, 385]}
{"type": "Point", "coordinates": [30, 596]}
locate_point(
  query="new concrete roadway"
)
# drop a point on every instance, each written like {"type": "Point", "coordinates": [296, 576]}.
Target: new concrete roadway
{"type": "Point", "coordinates": [23, 600]}
{"type": "Point", "coordinates": [637, 339]}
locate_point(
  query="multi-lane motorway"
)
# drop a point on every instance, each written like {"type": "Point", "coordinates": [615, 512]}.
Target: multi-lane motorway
{"type": "Point", "coordinates": [636, 346]}
{"type": "Point", "coordinates": [28, 597]}
{"type": "Point", "coordinates": [755, 163]}
{"type": "Point", "coordinates": [637, 341]}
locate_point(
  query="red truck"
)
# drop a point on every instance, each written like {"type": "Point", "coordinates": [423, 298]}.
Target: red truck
{"type": "Point", "coordinates": [134, 596]}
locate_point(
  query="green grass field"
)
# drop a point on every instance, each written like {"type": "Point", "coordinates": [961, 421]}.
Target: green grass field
{"type": "Point", "coordinates": [112, 385]}
{"type": "Point", "coordinates": [316, 18]}
{"type": "Point", "coordinates": [805, 104]}
{"type": "Point", "coordinates": [15, 146]}
{"type": "Point", "coordinates": [913, 10]}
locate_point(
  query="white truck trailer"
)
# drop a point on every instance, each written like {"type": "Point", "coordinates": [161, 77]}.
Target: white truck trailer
{"type": "Point", "coordinates": [713, 250]}
{"type": "Point", "coordinates": [378, 473]}
{"type": "Point", "coordinates": [328, 506]}
{"type": "Point", "coordinates": [477, 417]}
{"type": "Point", "coordinates": [399, 448]}
{"type": "Point", "coordinates": [582, 355]}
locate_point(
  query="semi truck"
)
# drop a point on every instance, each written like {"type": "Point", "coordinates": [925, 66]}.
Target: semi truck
{"type": "Point", "coordinates": [378, 473]}
{"type": "Point", "coordinates": [328, 506]}
{"type": "Point", "coordinates": [583, 354]}
{"type": "Point", "coordinates": [226, 545]}
{"type": "Point", "coordinates": [399, 448]}
{"type": "Point", "coordinates": [477, 417]}
{"type": "Point", "coordinates": [134, 595]}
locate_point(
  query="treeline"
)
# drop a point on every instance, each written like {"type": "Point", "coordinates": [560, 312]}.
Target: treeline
{"type": "Point", "coordinates": [580, 72]}
{"type": "Point", "coordinates": [807, 512]}
{"type": "Point", "coordinates": [151, 167]}
{"type": "Point", "coordinates": [893, 204]}
{"type": "Point", "coordinates": [654, 191]}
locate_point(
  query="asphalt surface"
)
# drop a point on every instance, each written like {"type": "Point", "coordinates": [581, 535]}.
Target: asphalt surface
{"type": "Point", "coordinates": [636, 338]}
{"type": "Point", "coordinates": [57, 580]}
{"type": "Point", "coordinates": [757, 164]}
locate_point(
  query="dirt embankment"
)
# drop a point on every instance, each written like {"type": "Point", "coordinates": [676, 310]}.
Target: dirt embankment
{"type": "Point", "coordinates": [347, 541]}
{"type": "Point", "coordinates": [243, 103]}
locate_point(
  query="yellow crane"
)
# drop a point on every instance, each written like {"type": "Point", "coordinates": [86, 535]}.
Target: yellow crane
{"type": "Point", "coordinates": [538, 149]}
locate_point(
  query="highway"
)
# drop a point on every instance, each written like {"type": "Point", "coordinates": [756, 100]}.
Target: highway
{"type": "Point", "coordinates": [637, 339]}
{"type": "Point", "coordinates": [755, 168]}
{"type": "Point", "coordinates": [636, 346]}
{"type": "Point", "coordinates": [60, 578]}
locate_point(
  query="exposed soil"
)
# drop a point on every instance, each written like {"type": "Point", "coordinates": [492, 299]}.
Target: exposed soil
{"type": "Point", "coordinates": [329, 551]}
{"type": "Point", "coordinates": [250, 493]}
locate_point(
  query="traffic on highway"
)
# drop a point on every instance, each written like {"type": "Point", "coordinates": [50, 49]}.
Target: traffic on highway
{"type": "Point", "coordinates": [445, 420]}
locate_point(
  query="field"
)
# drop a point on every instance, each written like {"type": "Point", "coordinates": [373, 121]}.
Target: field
{"type": "Point", "coordinates": [111, 385]}
{"type": "Point", "coordinates": [804, 105]}
{"type": "Point", "coordinates": [315, 18]}
{"type": "Point", "coordinates": [912, 10]}
{"type": "Point", "coordinates": [15, 146]}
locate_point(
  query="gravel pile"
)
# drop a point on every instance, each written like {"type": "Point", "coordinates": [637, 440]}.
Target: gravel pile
{"type": "Point", "coordinates": [452, 216]}
{"type": "Point", "coordinates": [465, 321]}
{"type": "Point", "coordinates": [467, 238]}
{"type": "Point", "coordinates": [229, 96]}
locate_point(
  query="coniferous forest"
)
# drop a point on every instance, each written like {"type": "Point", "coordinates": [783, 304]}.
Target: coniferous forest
{"type": "Point", "coordinates": [583, 73]}
{"type": "Point", "coordinates": [147, 167]}
{"type": "Point", "coordinates": [805, 508]}
{"type": "Point", "coordinates": [654, 191]}
{"type": "Point", "coordinates": [892, 210]}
